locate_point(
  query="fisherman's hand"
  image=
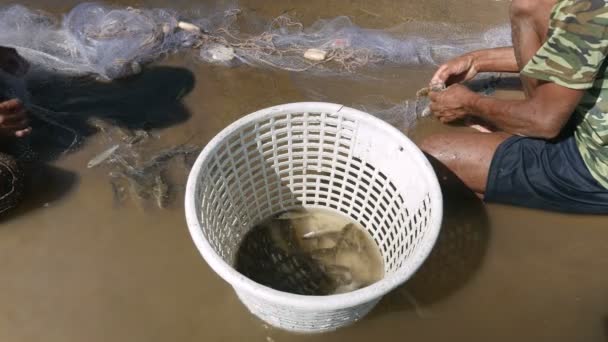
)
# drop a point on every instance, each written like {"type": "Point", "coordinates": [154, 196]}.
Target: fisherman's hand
{"type": "Point", "coordinates": [13, 119]}
{"type": "Point", "coordinates": [12, 63]}
{"type": "Point", "coordinates": [459, 69]}
{"type": "Point", "coordinates": [453, 103]}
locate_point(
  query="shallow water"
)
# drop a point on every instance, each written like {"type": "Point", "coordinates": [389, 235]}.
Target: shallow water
{"type": "Point", "coordinates": [77, 268]}
{"type": "Point", "coordinates": [310, 252]}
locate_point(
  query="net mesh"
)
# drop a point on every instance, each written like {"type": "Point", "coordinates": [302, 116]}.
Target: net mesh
{"type": "Point", "coordinates": [92, 38]}
{"type": "Point", "coordinates": [114, 42]}
{"type": "Point", "coordinates": [338, 44]}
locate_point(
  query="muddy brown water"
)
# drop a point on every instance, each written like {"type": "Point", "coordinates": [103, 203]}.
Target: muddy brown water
{"type": "Point", "coordinates": [77, 268]}
{"type": "Point", "coordinates": [313, 252]}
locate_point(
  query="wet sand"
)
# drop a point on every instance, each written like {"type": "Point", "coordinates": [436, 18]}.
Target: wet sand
{"type": "Point", "coordinates": [77, 268]}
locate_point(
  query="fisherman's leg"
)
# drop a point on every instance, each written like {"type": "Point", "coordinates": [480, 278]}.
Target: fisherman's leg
{"type": "Point", "coordinates": [521, 171]}
{"type": "Point", "coordinates": [11, 183]}
{"type": "Point", "coordinates": [468, 155]}
{"type": "Point", "coordinates": [529, 23]}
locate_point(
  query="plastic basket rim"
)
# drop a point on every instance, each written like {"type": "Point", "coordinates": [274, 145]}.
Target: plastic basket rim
{"type": "Point", "coordinates": [331, 302]}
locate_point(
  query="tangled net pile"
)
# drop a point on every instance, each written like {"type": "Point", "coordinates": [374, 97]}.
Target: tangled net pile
{"type": "Point", "coordinates": [92, 38]}
{"type": "Point", "coordinates": [112, 42]}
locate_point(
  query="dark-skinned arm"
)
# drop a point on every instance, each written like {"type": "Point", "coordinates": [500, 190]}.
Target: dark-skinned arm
{"type": "Point", "coordinates": [495, 60]}
{"type": "Point", "coordinates": [465, 67]}
{"type": "Point", "coordinates": [543, 115]}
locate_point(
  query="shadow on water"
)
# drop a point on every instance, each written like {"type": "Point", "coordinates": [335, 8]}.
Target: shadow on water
{"type": "Point", "coordinates": [456, 256]}
{"type": "Point", "coordinates": [149, 100]}
{"type": "Point", "coordinates": [44, 184]}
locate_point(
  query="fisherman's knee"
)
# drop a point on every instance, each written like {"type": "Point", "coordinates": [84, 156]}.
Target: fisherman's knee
{"type": "Point", "coordinates": [432, 145]}
{"type": "Point", "coordinates": [11, 183]}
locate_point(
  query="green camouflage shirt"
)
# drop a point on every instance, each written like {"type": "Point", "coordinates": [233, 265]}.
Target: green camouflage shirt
{"type": "Point", "coordinates": [574, 56]}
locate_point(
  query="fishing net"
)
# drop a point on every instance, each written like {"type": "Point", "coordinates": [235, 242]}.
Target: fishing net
{"type": "Point", "coordinates": [92, 38]}
{"type": "Point", "coordinates": [340, 45]}
{"type": "Point", "coordinates": [398, 102]}
{"type": "Point", "coordinates": [113, 42]}
{"type": "Point", "coordinates": [405, 114]}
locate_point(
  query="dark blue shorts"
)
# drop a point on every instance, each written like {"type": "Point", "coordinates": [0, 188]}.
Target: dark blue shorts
{"type": "Point", "coordinates": [540, 174]}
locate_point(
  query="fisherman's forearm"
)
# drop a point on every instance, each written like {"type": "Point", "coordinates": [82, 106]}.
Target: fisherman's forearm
{"type": "Point", "coordinates": [541, 116]}
{"type": "Point", "coordinates": [518, 117]}
{"type": "Point", "coordinates": [495, 60]}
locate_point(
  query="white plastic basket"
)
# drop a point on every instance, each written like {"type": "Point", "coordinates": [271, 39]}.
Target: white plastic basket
{"type": "Point", "coordinates": [316, 155]}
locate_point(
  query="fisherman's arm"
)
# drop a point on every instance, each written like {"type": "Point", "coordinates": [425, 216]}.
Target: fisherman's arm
{"type": "Point", "coordinates": [543, 115]}
{"type": "Point", "coordinates": [465, 67]}
{"type": "Point", "coordinates": [495, 60]}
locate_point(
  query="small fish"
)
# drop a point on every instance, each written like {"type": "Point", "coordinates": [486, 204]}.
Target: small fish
{"type": "Point", "coordinates": [321, 253]}
{"type": "Point", "coordinates": [293, 215]}
{"type": "Point", "coordinates": [351, 238]}
{"type": "Point", "coordinates": [337, 269]}
{"type": "Point", "coordinates": [102, 157]}
{"type": "Point", "coordinates": [341, 274]}
{"type": "Point", "coordinates": [353, 286]}
{"type": "Point", "coordinates": [160, 191]}
{"type": "Point", "coordinates": [137, 137]}
{"type": "Point", "coordinates": [123, 132]}
{"type": "Point", "coordinates": [344, 233]}
{"type": "Point", "coordinates": [332, 234]}
{"type": "Point", "coordinates": [118, 191]}
{"type": "Point", "coordinates": [283, 235]}
{"type": "Point", "coordinates": [129, 171]}
{"type": "Point", "coordinates": [165, 155]}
